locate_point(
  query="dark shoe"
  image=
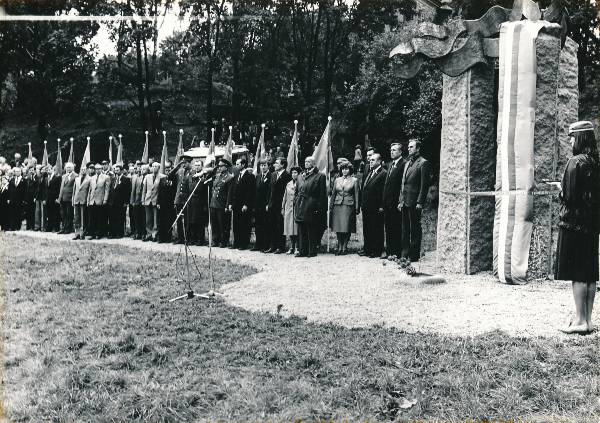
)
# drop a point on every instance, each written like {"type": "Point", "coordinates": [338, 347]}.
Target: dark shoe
{"type": "Point", "coordinates": [383, 256]}
{"type": "Point", "coordinates": [301, 255]}
{"type": "Point", "coordinates": [278, 251]}
{"type": "Point", "coordinates": [61, 232]}
{"type": "Point", "coordinates": [269, 250]}
{"type": "Point", "coordinates": [373, 255]}
{"type": "Point", "coordinates": [362, 253]}
{"type": "Point", "coordinates": [232, 247]}
{"type": "Point", "coordinates": [146, 238]}
{"type": "Point", "coordinates": [76, 238]}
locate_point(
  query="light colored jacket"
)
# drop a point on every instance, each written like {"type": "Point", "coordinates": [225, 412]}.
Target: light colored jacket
{"type": "Point", "coordinates": [81, 190]}
{"type": "Point", "coordinates": [99, 190]}
{"type": "Point", "coordinates": [135, 199]}
{"type": "Point", "coordinates": [345, 191]}
{"type": "Point", "coordinates": [150, 189]}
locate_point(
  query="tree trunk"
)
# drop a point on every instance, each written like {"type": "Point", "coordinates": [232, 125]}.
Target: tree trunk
{"type": "Point", "coordinates": [140, 77]}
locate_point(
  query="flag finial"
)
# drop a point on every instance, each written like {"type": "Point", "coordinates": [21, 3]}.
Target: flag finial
{"type": "Point", "coordinates": [29, 144]}
{"type": "Point", "coordinates": [110, 137]}
{"type": "Point", "coordinates": [88, 138]}
{"type": "Point", "coordinates": [58, 139]}
{"type": "Point", "coordinates": [181, 131]}
{"type": "Point", "coordinates": [146, 132]}
{"type": "Point", "coordinates": [230, 127]}
{"type": "Point", "coordinates": [262, 125]}
{"type": "Point", "coordinates": [164, 132]}
{"type": "Point", "coordinates": [45, 142]}
{"type": "Point", "coordinates": [120, 136]}
{"type": "Point", "coordinates": [212, 130]}
{"type": "Point", "coordinates": [71, 139]}
{"type": "Point", "coordinates": [295, 121]}
{"type": "Point", "coordinates": [329, 118]}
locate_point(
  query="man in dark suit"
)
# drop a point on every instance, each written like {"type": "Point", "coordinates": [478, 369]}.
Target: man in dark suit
{"type": "Point", "coordinates": [52, 201]}
{"type": "Point", "coordinates": [220, 217]}
{"type": "Point", "coordinates": [310, 208]}
{"type": "Point", "coordinates": [166, 211]}
{"type": "Point", "coordinates": [372, 208]}
{"type": "Point", "coordinates": [240, 202]}
{"type": "Point", "coordinates": [413, 194]}
{"type": "Point", "coordinates": [65, 198]}
{"type": "Point", "coordinates": [391, 193]}
{"type": "Point", "coordinates": [279, 180]}
{"type": "Point", "coordinates": [118, 197]}
{"type": "Point", "coordinates": [261, 222]}
{"type": "Point", "coordinates": [31, 187]}
{"type": "Point", "coordinates": [17, 190]}
{"type": "Point", "coordinates": [41, 188]}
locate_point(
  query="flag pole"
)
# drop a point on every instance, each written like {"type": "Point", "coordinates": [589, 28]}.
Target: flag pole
{"type": "Point", "coordinates": [328, 179]}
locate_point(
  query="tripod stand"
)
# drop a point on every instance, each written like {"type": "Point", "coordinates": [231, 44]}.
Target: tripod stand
{"type": "Point", "coordinates": [188, 252]}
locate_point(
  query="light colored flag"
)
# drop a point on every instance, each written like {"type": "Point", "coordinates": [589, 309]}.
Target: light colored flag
{"type": "Point", "coordinates": [164, 155]}
{"type": "Point", "coordinates": [180, 150]}
{"type": "Point", "coordinates": [86, 157]}
{"type": "Point", "coordinates": [45, 156]}
{"type": "Point", "coordinates": [30, 155]}
{"type": "Point", "coordinates": [260, 150]}
{"type": "Point", "coordinates": [211, 146]}
{"type": "Point", "coordinates": [110, 160]}
{"type": "Point", "coordinates": [228, 155]}
{"type": "Point", "coordinates": [59, 164]}
{"type": "Point", "coordinates": [323, 156]}
{"type": "Point", "coordinates": [367, 142]}
{"type": "Point", "coordinates": [120, 151]}
{"type": "Point", "coordinates": [71, 153]}
{"type": "Point", "coordinates": [145, 153]}
{"type": "Point", "coordinates": [292, 157]}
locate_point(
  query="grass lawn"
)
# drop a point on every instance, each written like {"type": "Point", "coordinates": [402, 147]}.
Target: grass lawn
{"type": "Point", "coordinates": [90, 336]}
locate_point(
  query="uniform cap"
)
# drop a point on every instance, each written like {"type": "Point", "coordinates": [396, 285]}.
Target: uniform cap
{"type": "Point", "coordinates": [582, 125]}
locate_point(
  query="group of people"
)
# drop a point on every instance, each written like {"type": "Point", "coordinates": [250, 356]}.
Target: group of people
{"type": "Point", "coordinates": [289, 208]}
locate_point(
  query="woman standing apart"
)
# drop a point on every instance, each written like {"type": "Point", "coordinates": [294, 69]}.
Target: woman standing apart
{"type": "Point", "coordinates": [290, 228]}
{"type": "Point", "coordinates": [577, 255]}
{"type": "Point", "coordinates": [344, 207]}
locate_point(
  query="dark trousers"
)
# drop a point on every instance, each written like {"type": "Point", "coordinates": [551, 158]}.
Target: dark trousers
{"type": "Point", "coordinates": [66, 213]}
{"type": "Point", "coordinates": [309, 237]}
{"type": "Point", "coordinates": [166, 217]}
{"type": "Point", "coordinates": [97, 216]}
{"type": "Point", "coordinates": [373, 232]}
{"type": "Point", "coordinates": [241, 228]}
{"type": "Point", "coordinates": [132, 220]}
{"type": "Point", "coordinates": [183, 219]}
{"type": "Point", "coordinates": [276, 227]}
{"type": "Point", "coordinates": [262, 230]}
{"type": "Point", "coordinates": [220, 225]}
{"type": "Point", "coordinates": [30, 215]}
{"type": "Point", "coordinates": [53, 222]}
{"type": "Point", "coordinates": [117, 220]}
{"type": "Point", "coordinates": [16, 216]}
{"type": "Point", "coordinates": [140, 220]}
{"type": "Point", "coordinates": [393, 231]}
{"type": "Point", "coordinates": [411, 233]}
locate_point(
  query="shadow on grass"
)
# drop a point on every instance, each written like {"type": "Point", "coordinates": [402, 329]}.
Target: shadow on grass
{"type": "Point", "coordinates": [89, 336]}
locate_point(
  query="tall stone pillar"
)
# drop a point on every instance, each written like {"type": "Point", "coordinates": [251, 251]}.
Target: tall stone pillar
{"type": "Point", "coordinates": [467, 172]}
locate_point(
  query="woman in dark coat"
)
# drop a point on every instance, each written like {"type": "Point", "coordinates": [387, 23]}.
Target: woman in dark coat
{"type": "Point", "coordinates": [577, 255]}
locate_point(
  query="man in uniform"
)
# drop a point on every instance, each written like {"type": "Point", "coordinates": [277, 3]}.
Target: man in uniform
{"type": "Point", "coordinates": [240, 202]}
{"type": "Point", "coordinates": [310, 208]}
{"type": "Point", "coordinates": [219, 215]}
{"type": "Point", "coordinates": [137, 217]}
{"type": "Point", "coordinates": [180, 176]}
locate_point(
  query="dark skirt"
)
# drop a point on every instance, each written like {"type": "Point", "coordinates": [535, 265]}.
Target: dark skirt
{"type": "Point", "coordinates": [576, 256]}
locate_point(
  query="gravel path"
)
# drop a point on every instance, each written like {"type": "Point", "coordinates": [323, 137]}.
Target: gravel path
{"type": "Point", "coordinates": [355, 292]}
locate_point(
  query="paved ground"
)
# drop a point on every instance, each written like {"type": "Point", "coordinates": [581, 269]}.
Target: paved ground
{"type": "Point", "coordinates": [355, 291]}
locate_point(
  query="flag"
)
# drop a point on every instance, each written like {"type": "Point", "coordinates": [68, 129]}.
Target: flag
{"type": "Point", "coordinates": [86, 157]}
{"type": "Point", "coordinates": [367, 142]}
{"type": "Point", "coordinates": [179, 147]}
{"type": "Point", "coordinates": [145, 153]}
{"type": "Point", "coordinates": [71, 153]}
{"type": "Point", "coordinates": [45, 156]}
{"type": "Point", "coordinates": [260, 150]}
{"type": "Point", "coordinates": [120, 150]}
{"type": "Point", "coordinates": [292, 157]}
{"type": "Point", "coordinates": [110, 160]}
{"type": "Point", "coordinates": [211, 146]}
{"type": "Point", "coordinates": [30, 155]}
{"type": "Point", "coordinates": [59, 164]}
{"type": "Point", "coordinates": [229, 147]}
{"type": "Point", "coordinates": [323, 156]}
{"type": "Point", "coordinates": [163, 156]}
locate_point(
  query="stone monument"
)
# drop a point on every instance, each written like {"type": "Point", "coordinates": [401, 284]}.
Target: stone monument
{"type": "Point", "coordinates": [500, 141]}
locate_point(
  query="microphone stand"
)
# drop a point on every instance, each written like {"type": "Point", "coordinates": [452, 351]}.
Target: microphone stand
{"type": "Point", "coordinates": [190, 293]}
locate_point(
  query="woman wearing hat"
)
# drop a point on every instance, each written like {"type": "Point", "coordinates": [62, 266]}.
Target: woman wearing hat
{"type": "Point", "coordinates": [344, 206]}
{"type": "Point", "coordinates": [290, 228]}
{"type": "Point", "coordinates": [577, 254]}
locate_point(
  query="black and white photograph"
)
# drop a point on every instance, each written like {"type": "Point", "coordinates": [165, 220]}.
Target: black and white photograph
{"type": "Point", "coordinates": [299, 211]}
